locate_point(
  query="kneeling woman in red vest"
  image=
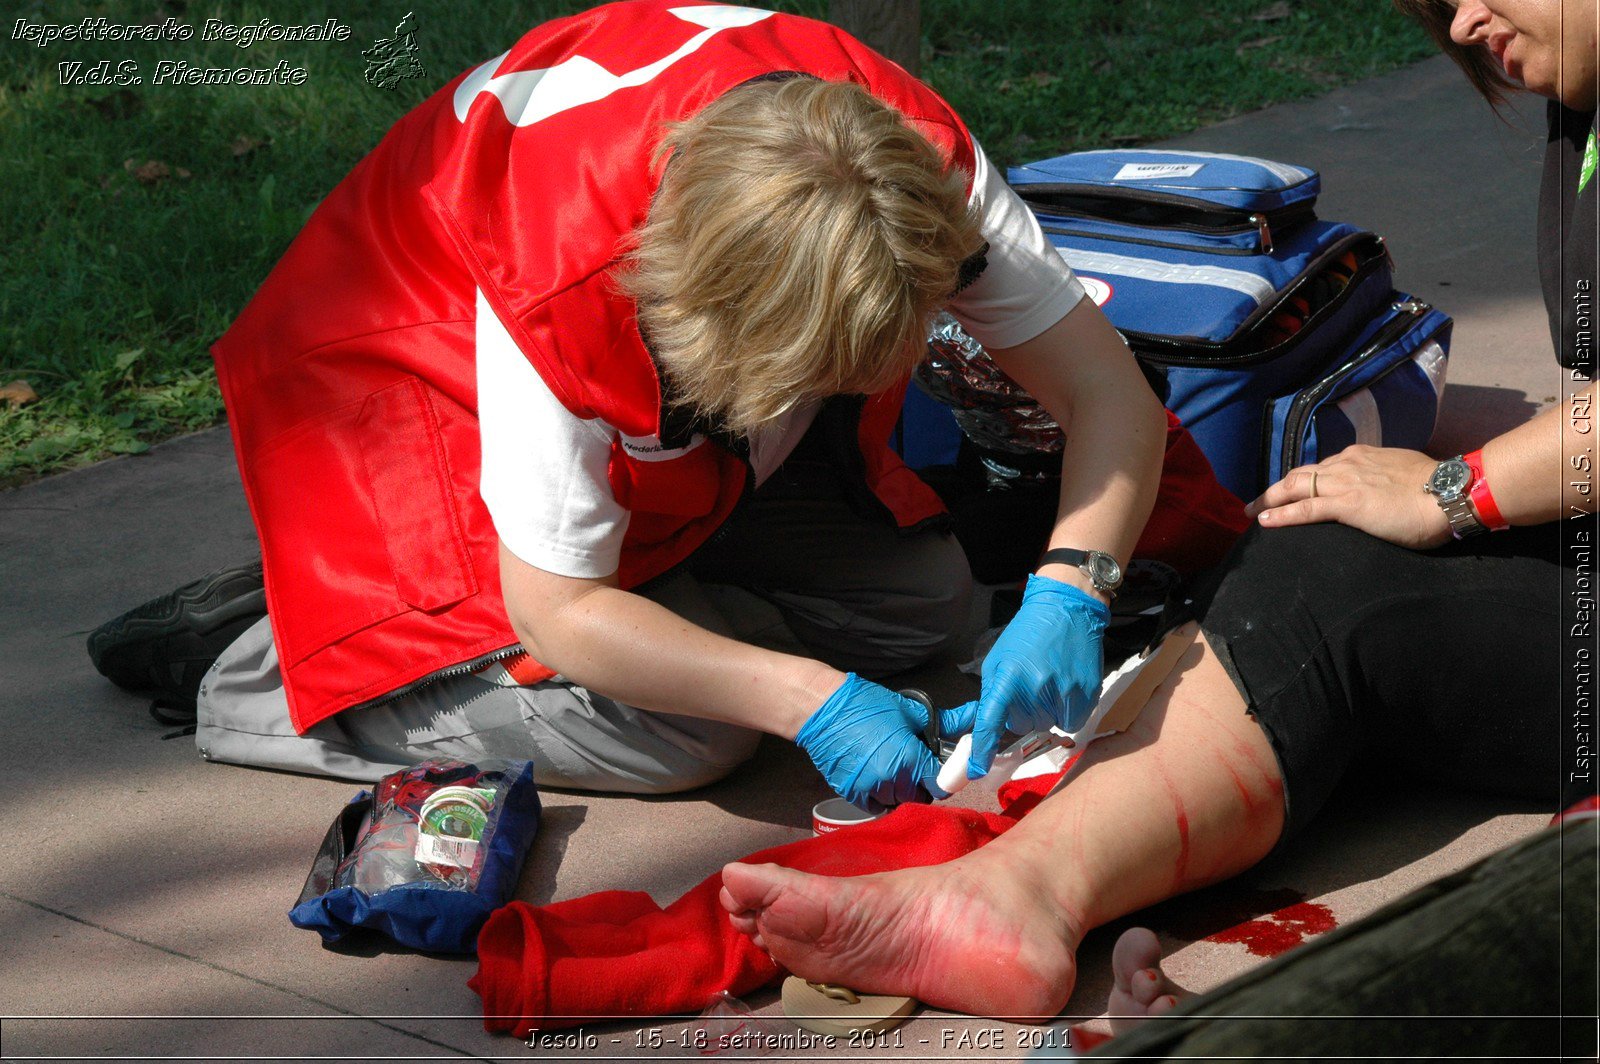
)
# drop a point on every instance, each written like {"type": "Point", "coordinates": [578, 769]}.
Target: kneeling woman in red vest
{"type": "Point", "coordinates": [610, 324]}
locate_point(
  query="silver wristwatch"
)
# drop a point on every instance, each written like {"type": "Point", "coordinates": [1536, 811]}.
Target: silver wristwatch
{"type": "Point", "coordinates": [1101, 568]}
{"type": "Point", "coordinates": [1451, 485]}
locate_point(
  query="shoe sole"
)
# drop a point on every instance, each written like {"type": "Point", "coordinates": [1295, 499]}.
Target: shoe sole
{"type": "Point", "coordinates": [190, 626]}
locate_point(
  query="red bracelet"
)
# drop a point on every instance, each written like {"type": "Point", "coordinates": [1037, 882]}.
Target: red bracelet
{"type": "Point", "coordinates": [1482, 497]}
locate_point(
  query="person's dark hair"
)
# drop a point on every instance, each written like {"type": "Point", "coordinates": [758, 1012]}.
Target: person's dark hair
{"type": "Point", "coordinates": [1476, 61]}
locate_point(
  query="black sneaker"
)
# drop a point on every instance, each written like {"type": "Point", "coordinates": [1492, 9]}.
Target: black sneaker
{"type": "Point", "coordinates": [165, 646]}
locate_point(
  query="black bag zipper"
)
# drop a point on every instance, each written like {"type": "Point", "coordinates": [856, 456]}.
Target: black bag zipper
{"type": "Point", "coordinates": [1409, 312]}
{"type": "Point", "coordinates": [1142, 242]}
{"type": "Point", "coordinates": [1161, 350]}
{"type": "Point", "coordinates": [1162, 210]}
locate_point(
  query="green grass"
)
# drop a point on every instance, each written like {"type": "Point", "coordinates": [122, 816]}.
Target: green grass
{"type": "Point", "coordinates": [113, 287]}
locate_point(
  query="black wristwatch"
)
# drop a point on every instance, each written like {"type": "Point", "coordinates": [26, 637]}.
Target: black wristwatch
{"type": "Point", "coordinates": [1101, 568]}
{"type": "Point", "coordinates": [1451, 487]}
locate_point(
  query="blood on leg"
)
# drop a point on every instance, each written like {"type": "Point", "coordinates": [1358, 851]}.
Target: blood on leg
{"type": "Point", "coordinates": [1187, 795]}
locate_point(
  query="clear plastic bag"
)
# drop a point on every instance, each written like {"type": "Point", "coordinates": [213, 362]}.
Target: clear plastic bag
{"type": "Point", "coordinates": [429, 824]}
{"type": "Point", "coordinates": [426, 856]}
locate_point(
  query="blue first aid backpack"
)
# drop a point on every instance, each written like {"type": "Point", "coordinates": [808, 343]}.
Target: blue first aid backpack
{"type": "Point", "coordinates": [1278, 337]}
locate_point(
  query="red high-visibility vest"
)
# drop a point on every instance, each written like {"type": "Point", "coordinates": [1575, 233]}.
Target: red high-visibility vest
{"type": "Point", "coordinates": [350, 379]}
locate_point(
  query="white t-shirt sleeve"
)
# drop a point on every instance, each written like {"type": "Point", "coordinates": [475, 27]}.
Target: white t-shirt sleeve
{"type": "Point", "coordinates": [544, 470]}
{"type": "Point", "coordinates": [1027, 286]}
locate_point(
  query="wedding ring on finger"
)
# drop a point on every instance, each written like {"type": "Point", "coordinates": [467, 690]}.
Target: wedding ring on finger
{"type": "Point", "coordinates": [1313, 483]}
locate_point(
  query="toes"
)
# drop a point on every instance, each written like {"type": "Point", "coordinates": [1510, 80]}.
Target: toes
{"type": "Point", "coordinates": [729, 902]}
{"type": "Point", "coordinates": [1151, 995]}
{"type": "Point", "coordinates": [1146, 986]}
{"type": "Point", "coordinates": [1138, 986]}
{"type": "Point", "coordinates": [747, 887]}
{"type": "Point", "coordinates": [786, 904]}
{"type": "Point", "coordinates": [1137, 949]}
{"type": "Point", "coordinates": [1126, 1013]}
{"type": "Point", "coordinates": [755, 885]}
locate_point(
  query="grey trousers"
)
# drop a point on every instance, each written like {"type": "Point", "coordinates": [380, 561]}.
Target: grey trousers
{"type": "Point", "coordinates": [797, 569]}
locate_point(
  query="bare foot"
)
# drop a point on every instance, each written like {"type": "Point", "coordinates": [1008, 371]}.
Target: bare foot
{"type": "Point", "coordinates": [1139, 988]}
{"type": "Point", "coordinates": [953, 936]}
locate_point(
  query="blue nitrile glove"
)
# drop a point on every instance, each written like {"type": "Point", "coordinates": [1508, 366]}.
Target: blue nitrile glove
{"type": "Point", "coordinates": [1044, 670]}
{"type": "Point", "coordinates": [866, 740]}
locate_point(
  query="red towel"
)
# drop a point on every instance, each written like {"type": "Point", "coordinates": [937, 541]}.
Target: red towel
{"type": "Point", "coordinates": [617, 953]}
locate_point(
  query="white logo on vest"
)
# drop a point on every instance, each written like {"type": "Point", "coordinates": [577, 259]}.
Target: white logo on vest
{"type": "Point", "coordinates": [649, 449]}
{"type": "Point", "coordinates": [529, 96]}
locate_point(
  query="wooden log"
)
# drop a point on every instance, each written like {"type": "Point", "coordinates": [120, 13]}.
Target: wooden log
{"type": "Point", "coordinates": [892, 27]}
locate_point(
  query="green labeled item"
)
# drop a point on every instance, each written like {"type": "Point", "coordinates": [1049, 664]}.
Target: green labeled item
{"type": "Point", "coordinates": [458, 812]}
{"type": "Point", "coordinates": [450, 824]}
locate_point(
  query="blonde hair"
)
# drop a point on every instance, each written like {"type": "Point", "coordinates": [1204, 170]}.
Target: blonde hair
{"type": "Point", "coordinates": [801, 239]}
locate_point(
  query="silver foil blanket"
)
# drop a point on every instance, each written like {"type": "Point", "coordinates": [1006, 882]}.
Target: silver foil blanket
{"type": "Point", "coordinates": [991, 408]}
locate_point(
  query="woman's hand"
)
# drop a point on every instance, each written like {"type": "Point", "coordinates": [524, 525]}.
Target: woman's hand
{"type": "Point", "coordinates": [1375, 489]}
{"type": "Point", "coordinates": [1045, 669]}
{"type": "Point", "coordinates": [866, 740]}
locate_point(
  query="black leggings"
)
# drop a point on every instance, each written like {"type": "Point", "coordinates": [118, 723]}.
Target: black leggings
{"type": "Point", "coordinates": [1443, 664]}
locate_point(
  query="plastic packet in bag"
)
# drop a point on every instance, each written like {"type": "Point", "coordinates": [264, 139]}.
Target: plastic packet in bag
{"type": "Point", "coordinates": [426, 856]}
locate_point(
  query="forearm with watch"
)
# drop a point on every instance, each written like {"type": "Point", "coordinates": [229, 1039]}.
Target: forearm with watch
{"type": "Point", "coordinates": [1046, 667]}
{"type": "Point", "coordinates": [1532, 474]}
{"type": "Point", "coordinates": [1537, 472]}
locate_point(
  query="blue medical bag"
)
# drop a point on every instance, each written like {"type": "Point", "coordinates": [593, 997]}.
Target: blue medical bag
{"type": "Point", "coordinates": [1384, 392]}
{"type": "Point", "coordinates": [1280, 337]}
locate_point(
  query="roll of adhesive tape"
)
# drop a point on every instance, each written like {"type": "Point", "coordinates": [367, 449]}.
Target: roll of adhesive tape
{"type": "Point", "coordinates": [836, 813]}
